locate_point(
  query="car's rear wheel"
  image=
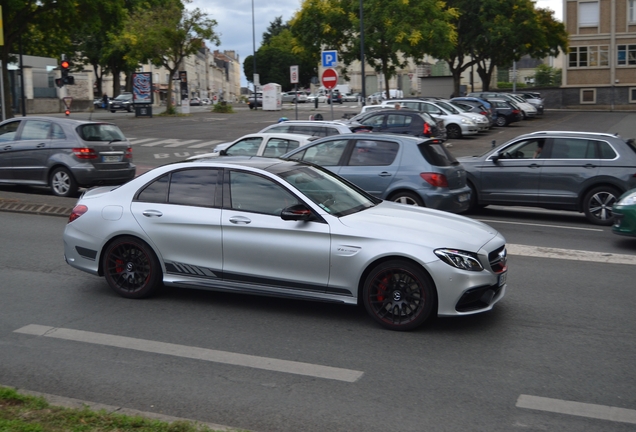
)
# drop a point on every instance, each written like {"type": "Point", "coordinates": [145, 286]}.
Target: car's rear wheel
{"type": "Point", "coordinates": [62, 182]}
{"type": "Point", "coordinates": [407, 198]}
{"type": "Point", "coordinates": [112, 111]}
{"type": "Point", "coordinates": [598, 203]}
{"type": "Point", "coordinates": [453, 131]}
{"type": "Point", "coordinates": [399, 295]}
{"type": "Point", "coordinates": [501, 121]}
{"type": "Point", "coordinates": [131, 268]}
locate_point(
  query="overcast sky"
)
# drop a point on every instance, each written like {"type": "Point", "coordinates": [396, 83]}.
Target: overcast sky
{"type": "Point", "coordinates": [234, 18]}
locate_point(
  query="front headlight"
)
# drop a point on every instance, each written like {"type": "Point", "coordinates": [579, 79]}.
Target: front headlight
{"type": "Point", "coordinates": [459, 259]}
{"type": "Point", "coordinates": [466, 121]}
{"type": "Point", "coordinates": [628, 200]}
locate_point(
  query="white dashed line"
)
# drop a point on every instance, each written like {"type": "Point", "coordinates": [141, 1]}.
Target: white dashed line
{"type": "Point", "coordinates": [580, 409]}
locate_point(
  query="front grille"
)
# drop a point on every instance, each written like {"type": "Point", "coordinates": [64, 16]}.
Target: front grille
{"type": "Point", "coordinates": [498, 260]}
{"type": "Point", "coordinates": [477, 298]}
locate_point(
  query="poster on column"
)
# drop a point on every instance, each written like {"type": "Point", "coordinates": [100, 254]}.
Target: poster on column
{"type": "Point", "coordinates": [185, 99]}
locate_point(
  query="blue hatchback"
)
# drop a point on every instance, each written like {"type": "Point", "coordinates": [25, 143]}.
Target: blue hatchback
{"type": "Point", "coordinates": [400, 168]}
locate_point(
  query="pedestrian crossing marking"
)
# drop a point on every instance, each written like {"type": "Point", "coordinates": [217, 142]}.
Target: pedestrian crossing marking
{"type": "Point", "coordinates": [173, 142]}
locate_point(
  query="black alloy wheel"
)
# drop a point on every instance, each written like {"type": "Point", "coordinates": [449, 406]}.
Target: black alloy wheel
{"type": "Point", "coordinates": [453, 131]}
{"type": "Point", "coordinates": [598, 203]}
{"type": "Point", "coordinates": [131, 268]}
{"type": "Point", "coordinates": [399, 295]}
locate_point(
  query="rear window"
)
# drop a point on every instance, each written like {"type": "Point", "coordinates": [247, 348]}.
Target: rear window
{"type": "Point", "coordinates": [436, 154]}
{"type": "Point", "coordinates": [100, 132]}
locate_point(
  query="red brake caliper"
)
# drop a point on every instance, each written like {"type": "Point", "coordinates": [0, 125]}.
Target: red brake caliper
{"type": "Point", "coordinates": [119, 266]}
{"type": "Point", "coordinates": [382, 288]}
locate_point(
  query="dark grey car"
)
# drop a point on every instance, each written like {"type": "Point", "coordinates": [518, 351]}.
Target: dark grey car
{"type": "Point", "coordinates": [63, 154]}
{"type": "Point", "coordinates": [400, 168]}
{"type": "Point", "coordinates": [579, 171]}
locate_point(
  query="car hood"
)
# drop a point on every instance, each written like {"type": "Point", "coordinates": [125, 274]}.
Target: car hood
{"type": "Point", "coordinates": [414, 224]}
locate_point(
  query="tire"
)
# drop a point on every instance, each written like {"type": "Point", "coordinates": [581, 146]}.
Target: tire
{"type": "Point", "coordinates": [598, 203]}
{"type": "Point", "coordinates": [473, 205]}
{"type": "Point", "coordinates": [131, 268]}
{"type": "Point", "coordinates": [501, 121]}
{"type": "Point", "coordinates": [129, 108]}
{"type": "Point", "coordinates": [453, 131]}
{"type": "Point", "coordinates": [112, 111]}
{"type": "Point", "coordinates": [408, 198]}
{"type": "Point", "coordinates": [399, 295]}
{"type": "Point", "coordinates": [62, 183]}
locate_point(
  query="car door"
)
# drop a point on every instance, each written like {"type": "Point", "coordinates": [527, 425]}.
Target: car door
{"type": "Point", "coordinates": [276, 147]}
{"type": "Point", "coordinates": [180, 213]}
{"type": "Point", "coordinates": [263, 250]}
{"type": "Point", "coordinates": [568, 165]}
{"type": "Point", "coordinates": [329, 154]}
{"type": "Point", "coordinates": [372, 164]}
{"type": "Point", "coordinates": [513, 178]}
{"type": "Point", "coordinates": [30, 153]}
{"type": "Point", "coordinates": [245, 147]}
{"type": "Point", "coordinates": [8, 135]}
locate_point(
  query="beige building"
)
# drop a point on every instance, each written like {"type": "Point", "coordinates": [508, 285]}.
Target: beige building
{"type": "Point", "coordinates": [601, 62]}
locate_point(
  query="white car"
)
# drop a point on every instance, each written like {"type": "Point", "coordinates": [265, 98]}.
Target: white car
{"type": "Point", "coordinates": [480, 120]}
{"type": "Point", "coordinates": [456, 125]}
{"type": "Point", "coordinates": [321, 98]}
{"type": "Point", "coordinates": [259, 144]}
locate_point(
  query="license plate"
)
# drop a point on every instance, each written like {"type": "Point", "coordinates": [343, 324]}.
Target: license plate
{"type": "Point", "coordinates": [502, 278]}
{"type": "Point", "coordinates": [463, 197]}
{"type": "Point", "coordinates": [111, 158]}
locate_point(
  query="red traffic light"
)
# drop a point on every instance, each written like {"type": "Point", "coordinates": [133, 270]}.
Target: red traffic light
{"type": "Point", "coordinates": [65, 64]}
{"type": "Point", "coordinates": [67, 112]}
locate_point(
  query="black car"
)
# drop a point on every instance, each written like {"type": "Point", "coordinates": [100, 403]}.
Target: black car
{"type": "Point", "coordinates": [577, 171]}
{"type": "Point", "coordinates": [337, 97]}
{"type": "Point", "coordinates": [255, 103]}
{"type": "Point", "coordinates": [507, 112]}
{"type": "Point", "coordinates": [403, 121]}
{"type": "Point", "coordinates": [122, 102]}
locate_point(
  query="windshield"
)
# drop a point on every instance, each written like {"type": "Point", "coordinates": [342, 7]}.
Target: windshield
{"type": "Point", "coordinates": [333, 194]}
{"type": "Point", "coordinates": [459, 107]}
{"type": "Point", "coordinates": [447, 107]}
{"type": "Point", "coordinates": [124, 97]}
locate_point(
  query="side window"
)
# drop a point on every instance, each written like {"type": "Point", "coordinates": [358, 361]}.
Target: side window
{"type": "Point", "coordinates": [309, 130]}
{"type": "Point", "coordinates": [411, 105]}
{"type": "Point", "coordinates": [376, 121]}
{"type": "Point", "coordinates": [57, 132]}
{"type": "Point", "coordinates": [277, 147]}
{"type": "Point", "coordinates": [253, 193]}
{"type": "Point", "coordinates": [606, 151]}
{"type": "Point", "coordinates": [572, 148]}
{"type": "Point", "coordinates": [155, 192]}
{"type": "Point", "coordinates": [246, 147]}
{"type": "Point", "coordinates": [7, 131]}
{"type": "Point", "coordinates": [326, 154]}
{"type": "Point", "coordinates": [35, 130]}
{"type": "Point", "coordinates": [432, 109]}
{"type": "Point", "coordinates": [194, 187]}
{"type": "Point", "coordinates": [525, 149]}
{"type": "Point", "coordinates": [284, 128]}
{"type": "Point", "coordinates": [373, 153]}
{"type": "Point", "coordinates": [397, 120]}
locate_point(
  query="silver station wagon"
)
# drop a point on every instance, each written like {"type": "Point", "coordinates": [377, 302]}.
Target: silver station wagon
{"type": "Point", "coordinates": [63, 154]}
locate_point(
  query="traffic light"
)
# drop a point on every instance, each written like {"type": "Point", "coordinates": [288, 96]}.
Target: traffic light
{"type": "Point", "coordinates": [66, 78]}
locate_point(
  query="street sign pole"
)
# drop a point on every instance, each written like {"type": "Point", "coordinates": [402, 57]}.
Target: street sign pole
{"type": "Point", "coordinates": [331, 100]}
{"type": "Point", "coordinates": [293, 78]}
{"type": "Point", "coordinates": [329, 81]}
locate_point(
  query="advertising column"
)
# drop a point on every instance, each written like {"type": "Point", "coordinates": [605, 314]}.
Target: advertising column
{"type": "Point", "coordinates": [185, 100]}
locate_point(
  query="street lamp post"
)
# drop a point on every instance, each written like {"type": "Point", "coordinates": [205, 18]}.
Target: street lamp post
{"type": "Point", "coordinates": [254, 56]}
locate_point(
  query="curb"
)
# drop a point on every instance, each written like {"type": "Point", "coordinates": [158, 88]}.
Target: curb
{"type": "Point", "coordinates": [16, 206]}
{"type": "Point", "coordinates": [65, 402]}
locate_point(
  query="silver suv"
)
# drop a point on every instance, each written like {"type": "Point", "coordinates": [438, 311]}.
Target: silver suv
{"type": "Point", "coordinates": [318, 128]}
{"type": "Point", "coordinates": [579, 171]}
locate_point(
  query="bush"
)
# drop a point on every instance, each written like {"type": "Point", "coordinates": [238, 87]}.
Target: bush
{"type": "Point", "coordinates": [222, 107]}
{"type": "Point", "coordinates": [508, 85]}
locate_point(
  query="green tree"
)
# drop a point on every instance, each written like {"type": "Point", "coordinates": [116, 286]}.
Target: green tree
{"type": "Point", "coordinates": [166, 35]}
{"type": "Point", "coordinates": [275, 28]}
{"type": "Point", "coordinates": [547, 76]}
{"type": "Point", "coordinates": [394, 31]}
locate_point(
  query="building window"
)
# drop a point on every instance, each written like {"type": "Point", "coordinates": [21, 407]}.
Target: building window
{"type": "Point", "coordinates": [588, 14]}
{"type": "Point", "coordinates": [626, 55]}
{"type": "Point", "coordinates": [588, 96]}
{"type": "Point", "coordinates": [631, 13]}
{"type": "Point", "coordinates": [592, 56]}
{"type": "Point", "coordinates": [632, 95]}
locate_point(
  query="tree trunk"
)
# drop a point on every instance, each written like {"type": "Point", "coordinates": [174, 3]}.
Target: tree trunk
{"type": "Point", "coordinates": [485, 74]}
{"type": "Point", "coordinates": [169, 105]}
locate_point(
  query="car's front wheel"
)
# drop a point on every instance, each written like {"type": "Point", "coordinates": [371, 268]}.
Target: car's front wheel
{"type": "Point", "coordinates": [453, 131]}
{"type": "Point", "coordinates": [62, 182]}
{"type": "Point", "coordinates": [399, 295]}
{"type": "Point", "coordinates": [131, 268]}
{"type": "Point", "coordinates": [598, 203]}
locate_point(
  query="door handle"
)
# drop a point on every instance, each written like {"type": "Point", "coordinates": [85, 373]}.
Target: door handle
{"type": "Point", "coordinates": [589, 166]}
{"type": "Point", "coordinates": [385, 174]}
{"type": "Point", "coordinates": [41, 145]}
{"type": "Point", "coordinates": [6, 147]}
{"type": "Point", "coordinates": [152, 213]}
{"type": "Point", "coordinates": [534, 165]}
{"type": "Point", "coordinates": [240, 220]}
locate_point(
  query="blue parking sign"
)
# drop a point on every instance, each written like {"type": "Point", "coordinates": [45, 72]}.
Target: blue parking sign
{"type": "Point", "coordinates": [329, 59]}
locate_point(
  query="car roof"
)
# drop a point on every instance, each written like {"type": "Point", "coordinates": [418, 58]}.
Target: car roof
{"type": "Point", "coordinates": [60, 120]}
{"type": "Point", "coordinates": [283, 135]}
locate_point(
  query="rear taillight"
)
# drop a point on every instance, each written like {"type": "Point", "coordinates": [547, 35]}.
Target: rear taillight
{"type": "Point", "coordinates": [434, 179]}
{"type": "Point", "coordinates": [78, 210]}
{"type": "Point", "coordinates": [128, 154]}
{"type": "Point", "coordinates": [515, 111]}
{"type": "Point", "coordinates": [483, 113]}
{"type": "Point", "coordinates": [84, 153]}
{"type": "Point", "coordinates": [427, 130]}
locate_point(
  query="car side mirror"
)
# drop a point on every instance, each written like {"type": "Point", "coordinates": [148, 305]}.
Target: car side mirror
{"type": "Point", "coordinates": [223, 152]}
{"type": "Point", "coordinates": [496, 157]}
{"type": "Point", "coordinates": [298, 212]}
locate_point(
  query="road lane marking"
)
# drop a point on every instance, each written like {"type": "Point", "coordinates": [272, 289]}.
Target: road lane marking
{"type": "Point", "coordinates": [182, 143]}
{"type": "Point", "coordinates": [580, 409]}
{"type": "Point", "coordinates": [139, 141]}
{"type": "Point", "coordinates": [540, 225]}
{"type": "Point", "coordinates": [570, 254]}
{"type": "Point", "coordinates": [205, 144]}
{"type": "Point", "coordinates": [266, 363]}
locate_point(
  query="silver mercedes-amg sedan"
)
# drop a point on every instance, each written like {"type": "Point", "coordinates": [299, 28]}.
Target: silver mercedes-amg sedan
{"type": "Point", "coordinates": [289, 229]}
